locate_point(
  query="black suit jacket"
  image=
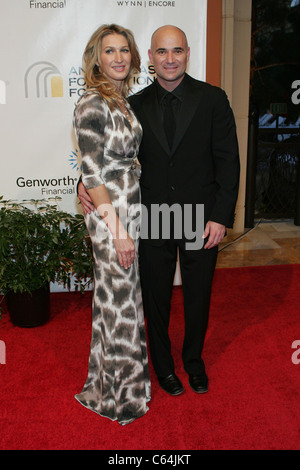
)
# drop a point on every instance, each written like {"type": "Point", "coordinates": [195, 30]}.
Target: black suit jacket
{"type": "Point", "coordinates": [203, 165]}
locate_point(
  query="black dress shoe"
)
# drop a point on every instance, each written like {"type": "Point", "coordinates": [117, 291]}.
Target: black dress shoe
{"type": "Point", "coordinates": [171, 384]}
{"type": "Point", "coordinates": [199, 383]}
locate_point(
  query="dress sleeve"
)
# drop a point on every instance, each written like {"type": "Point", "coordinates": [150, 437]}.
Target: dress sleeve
{"type": "Point", "coordinates": [90, 117]}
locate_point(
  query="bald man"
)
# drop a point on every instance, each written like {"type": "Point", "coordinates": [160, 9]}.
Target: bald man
{"type": "Point", "coordinates": [190, 160]}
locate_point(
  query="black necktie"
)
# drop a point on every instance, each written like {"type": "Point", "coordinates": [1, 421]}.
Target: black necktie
{"type": "Point", "coordinates": [169, 118]}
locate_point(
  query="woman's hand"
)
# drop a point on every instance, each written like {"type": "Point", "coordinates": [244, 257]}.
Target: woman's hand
{"type": "Point", "coordinates": [85, 199]}
{"type": "Point", "coordinates": [125, 249]}
{"type": "Point", "coordinates": [122, 241]}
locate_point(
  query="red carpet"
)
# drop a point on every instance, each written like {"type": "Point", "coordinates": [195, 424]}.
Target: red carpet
{"type": "Point", "coordinates": [254, 396]}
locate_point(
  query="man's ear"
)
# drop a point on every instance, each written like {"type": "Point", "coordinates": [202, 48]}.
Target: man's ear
{"type": "Point", "coordinates": [150, 55]}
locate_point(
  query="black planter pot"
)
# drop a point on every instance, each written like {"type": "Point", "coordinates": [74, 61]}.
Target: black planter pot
{"type": "Point", "coordinates": [29, 309]}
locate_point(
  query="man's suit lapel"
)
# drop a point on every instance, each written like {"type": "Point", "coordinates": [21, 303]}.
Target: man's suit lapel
{"type": "Point", "coordinates": [154, 117]}
{"type": "Point", "coordinates": [191, 101]}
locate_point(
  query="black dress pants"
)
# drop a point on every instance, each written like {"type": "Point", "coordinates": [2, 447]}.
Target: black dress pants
{"type": "Point", "coordinates": [158, 265]}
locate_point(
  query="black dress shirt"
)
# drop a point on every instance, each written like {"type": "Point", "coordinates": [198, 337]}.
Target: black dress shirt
{"type": "Point", "coordinates": [177, 92]}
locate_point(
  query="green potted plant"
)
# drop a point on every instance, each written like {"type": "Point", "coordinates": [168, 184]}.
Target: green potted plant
{"type": "Point", "coordinates": [40, 244]}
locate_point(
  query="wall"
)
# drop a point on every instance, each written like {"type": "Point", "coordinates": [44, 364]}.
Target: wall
{"type": "Point", "coordinates": [235, 75]}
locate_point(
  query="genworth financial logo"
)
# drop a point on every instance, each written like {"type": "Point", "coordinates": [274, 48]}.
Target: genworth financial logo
{"type": "Point", "coordinates": [54, 186]}
{"type": "Point", "coordinates": [49, 186]}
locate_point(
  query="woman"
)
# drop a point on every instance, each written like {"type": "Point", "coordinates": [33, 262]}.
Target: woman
{"type": "Point", "coordinates": [118, 385]}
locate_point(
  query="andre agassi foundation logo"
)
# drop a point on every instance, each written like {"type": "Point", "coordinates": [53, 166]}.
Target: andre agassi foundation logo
{"type": "Point", "coordinates": [43, 80]}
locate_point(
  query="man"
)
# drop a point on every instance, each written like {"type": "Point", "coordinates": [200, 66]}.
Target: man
{"type": "Point", "coordinates": [197, 167]}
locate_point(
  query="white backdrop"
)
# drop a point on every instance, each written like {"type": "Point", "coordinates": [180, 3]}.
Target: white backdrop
{"type": "Point", "coordinates": [41, 78]}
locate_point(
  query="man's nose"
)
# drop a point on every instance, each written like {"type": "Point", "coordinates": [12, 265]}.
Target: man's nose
{"type": "Point", "coordinates": [170, 56]}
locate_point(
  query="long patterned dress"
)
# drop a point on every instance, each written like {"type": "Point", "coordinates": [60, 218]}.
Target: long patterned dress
{"type": "Point", "coordinates": [118, 385]}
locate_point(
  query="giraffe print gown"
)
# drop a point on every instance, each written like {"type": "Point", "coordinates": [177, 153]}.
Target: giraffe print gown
{"type": "Point", "coordinates": [118, 384]}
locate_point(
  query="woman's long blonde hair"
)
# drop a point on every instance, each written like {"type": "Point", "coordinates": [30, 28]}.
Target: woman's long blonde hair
{"type": "Point", "coordinates": [94, 77]}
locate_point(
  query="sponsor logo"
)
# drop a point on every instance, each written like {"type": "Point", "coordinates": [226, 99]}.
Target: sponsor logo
{"type": "Point", "coordinates": [49, 186]}
{"type": "Point", "coordinates": [43, 79]}
{"type": "Point", "coordinates": [74, 160]}
{"type": "Point", "coordinates": [47, 5]}
{"type": "Point", "coordinates": [76, 82]}
{"type": "Point", "coordinates": [77, 85]}
{"type": "Point", "coordinates": [146, 3]}
{"type": "Point", "coordinates": [145, 78]}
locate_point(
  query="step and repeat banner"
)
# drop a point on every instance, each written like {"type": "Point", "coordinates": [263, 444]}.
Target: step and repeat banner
{"type": "Point", "coordinates": [41, 78]}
